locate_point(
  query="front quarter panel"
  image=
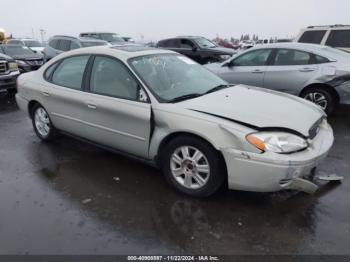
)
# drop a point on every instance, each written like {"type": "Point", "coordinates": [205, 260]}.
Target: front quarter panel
{"type": "Point", "coordinates": [220, 133]}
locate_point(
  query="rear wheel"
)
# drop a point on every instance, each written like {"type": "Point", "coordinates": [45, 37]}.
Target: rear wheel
{"type": "Point", "coordinates": [321, 97]}
{"type": "Point", "coordinates": [192, 166]}
{"type": "Point", "coordinates": [42, 123]}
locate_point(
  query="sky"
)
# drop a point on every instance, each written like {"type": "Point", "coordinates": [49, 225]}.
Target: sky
{"type": "Point", "coordinates": [156, 19]}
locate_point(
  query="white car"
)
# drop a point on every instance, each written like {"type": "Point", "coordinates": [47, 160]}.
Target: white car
{"type": "Point", "coordinates": [163, 108]}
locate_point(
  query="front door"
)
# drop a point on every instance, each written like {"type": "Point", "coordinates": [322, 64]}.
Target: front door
{"type": "Point", "coordinates": [248, 69]}
{"type": "Point", "coordinates": [116, 112]}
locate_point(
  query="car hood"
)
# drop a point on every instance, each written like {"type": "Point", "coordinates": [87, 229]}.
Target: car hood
{"type": "Point", "coordinates": [258, 108]}
{"type": "Point", "coordinates": [214, 67]}
{"type": "Point", "coordinates": [28, 57]}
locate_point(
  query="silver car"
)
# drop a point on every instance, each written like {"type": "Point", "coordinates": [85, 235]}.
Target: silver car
{"type": "Point", "coordinates": [317, 73]}
{"type": "Point", "coordinates": [166, 110]}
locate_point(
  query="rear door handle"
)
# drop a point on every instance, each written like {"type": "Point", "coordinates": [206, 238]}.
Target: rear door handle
{"type": "Point", "coordinates": [257, 71]}
{"type": "Point", "coordinates": [307, 69]}
{"type": "Point", "coordinates": [92, 106]}
{"type": "Point", "coordinates": [45, 93]}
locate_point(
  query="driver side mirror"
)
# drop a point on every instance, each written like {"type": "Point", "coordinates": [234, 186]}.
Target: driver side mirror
{"type": "Point", "coordinates": [194, 48]}
{"type": "Point", "coordinates": [229, 64]}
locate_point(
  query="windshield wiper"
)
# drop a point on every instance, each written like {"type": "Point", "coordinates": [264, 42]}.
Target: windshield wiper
{"type": "Point", "coordinates": [184, 97]}
{"type": "Point", "coordinates": [217, 88]}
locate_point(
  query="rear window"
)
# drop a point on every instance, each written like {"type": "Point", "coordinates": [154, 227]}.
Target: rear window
{"type": "Point", "coordinates": [312, 37]}
{"type": "Point", "coordinates": [339, 38]}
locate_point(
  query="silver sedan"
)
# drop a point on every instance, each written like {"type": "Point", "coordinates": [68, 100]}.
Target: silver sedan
{"type": "Point", "coordinates": [317, 73]}
{"type": "Point", "coordinates": [164, 109]}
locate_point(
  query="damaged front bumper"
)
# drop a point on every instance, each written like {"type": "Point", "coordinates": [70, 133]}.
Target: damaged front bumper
{"type": "Point", "coordinates": [270, 172]}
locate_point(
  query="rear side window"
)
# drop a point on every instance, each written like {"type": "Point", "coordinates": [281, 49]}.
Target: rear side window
{"type": "Point", "coordinates": [339, 38]}
{"type": "Point", "coordinates": [70, 71]}
{"type": "Point", "coordinates": [169, 43]}
{"type": "Point", "coordinates": [286, 57]}
{"type": "Point", "coordinates": [64, 45]}
{"type": "Point", "coordinates": [312, 37]}
{"type": "Point", "coordinates": [321, 59]}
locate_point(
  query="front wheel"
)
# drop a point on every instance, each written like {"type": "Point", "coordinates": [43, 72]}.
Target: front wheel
{"type": "Point", "coordinates": [320, 97]}
{"type": "Point", "coordinates": [192, 166]}
{"type": "Point", "coordinates": [42, 123]}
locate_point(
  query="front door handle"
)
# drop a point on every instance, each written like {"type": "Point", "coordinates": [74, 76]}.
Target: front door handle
{"type": "Point", "coordinates": [257, 71]}
{"type": "Point", "coordinates": [45, 93]}
{"type": "Point", "coordinates": [92, 106]}
{"type": "Point", "coordinates": [307, 69]}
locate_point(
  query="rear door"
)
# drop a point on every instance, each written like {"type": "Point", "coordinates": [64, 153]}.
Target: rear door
{"type": "Point", "coordinates": [63, 94]}
{"type": "Point", "coordinates": [248, 68]}
{"type": "Point", "coordinates": [116, 113]}
{"type": "Point", "coordinates": [290, 71]}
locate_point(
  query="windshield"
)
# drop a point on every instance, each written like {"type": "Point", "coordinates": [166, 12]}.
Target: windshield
{"type": "Point", "coordinates": [112, 38]}
{"type": "Point", "coordinates": [17, 50]}
{"type": "Point", "coordinates": [33, 43]}
{"type": "Point", "coordinates": [204, 43]}
{"type": "Point", "coordinates": [170, 76]}
{"type": "Point", "coordinates": [92, 43]}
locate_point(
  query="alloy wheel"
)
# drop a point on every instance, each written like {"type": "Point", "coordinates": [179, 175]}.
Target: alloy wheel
{"type": "Point", "coordinates": [190, 167]}
{"type": "Point", "coordinates": [317, 98]}
{"type": "Point", "coordinates": [42, 122]}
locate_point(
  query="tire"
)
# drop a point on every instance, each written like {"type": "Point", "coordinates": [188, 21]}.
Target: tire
{"type": "Point", "coordinates": [321, 97]}
{"type": "Point", "coordinates": [200, 174]}
{"type": "Point", "coordinates": [42, 124]}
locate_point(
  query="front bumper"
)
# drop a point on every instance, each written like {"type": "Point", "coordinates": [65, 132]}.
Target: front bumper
{"type": "Point", "coordinates": [8, 81]}
{"type": "Point", "coordinates": [270, 172]}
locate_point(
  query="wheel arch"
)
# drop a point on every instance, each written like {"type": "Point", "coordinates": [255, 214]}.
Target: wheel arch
{"type": "Point", "coordinates": [31, 105]}
{"type": "Point", "coordinates": [330, 88]}
{"type": "Point", "coordinates": [176, 134]}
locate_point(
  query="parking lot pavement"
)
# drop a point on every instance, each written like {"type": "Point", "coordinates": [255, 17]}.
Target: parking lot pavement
{"type": "Point", "coordinates": [68, 197]}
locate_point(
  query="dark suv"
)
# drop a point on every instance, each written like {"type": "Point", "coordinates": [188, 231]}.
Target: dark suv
{"type": "Point", "coordinates": [59, 44]}
{"type": "Point", "coordinates": [197, 48]}
{"type": "Point", "coordinates": [8, 73]}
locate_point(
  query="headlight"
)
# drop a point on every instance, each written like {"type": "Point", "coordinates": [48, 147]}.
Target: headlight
{"type": "Point", "coordinates": [20, 62]}
{"type": "Point", "coordinates": [224, 57]}
{"type": "Point", "coordinates": [277, 142]}
{"type": "Point", "coordinates": [13, 66]}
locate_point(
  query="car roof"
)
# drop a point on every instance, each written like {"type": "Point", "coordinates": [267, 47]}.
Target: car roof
{"type": "Point", "coordinates": [97, 33]}
{"type": "Point", "coordinates": [293, 45]}
{"type": "Point", "coordinates": [122, 52]}
{"type": "Point", "coordinates": [81, 39]}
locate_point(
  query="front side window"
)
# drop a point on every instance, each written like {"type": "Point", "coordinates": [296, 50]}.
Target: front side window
{"type": "Point", "coordinates": [110, 77]}
{"type": "Point", "coordinates": [253, 58]}
{"type": "Point", "coordinates": [170, 76]}
{"type": "Point", "coordinates": [339, 38]}
{"type": "Point", "coordinates": [53, 43]}
{"type": "Point", "coordinates": [292, 57]}
{"type": "Point", "coordinates": [186, 44]}
{"type": "Point", "coordinates": [312, 37]}
{"type": "Point", "coordinates": [70, 72]}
